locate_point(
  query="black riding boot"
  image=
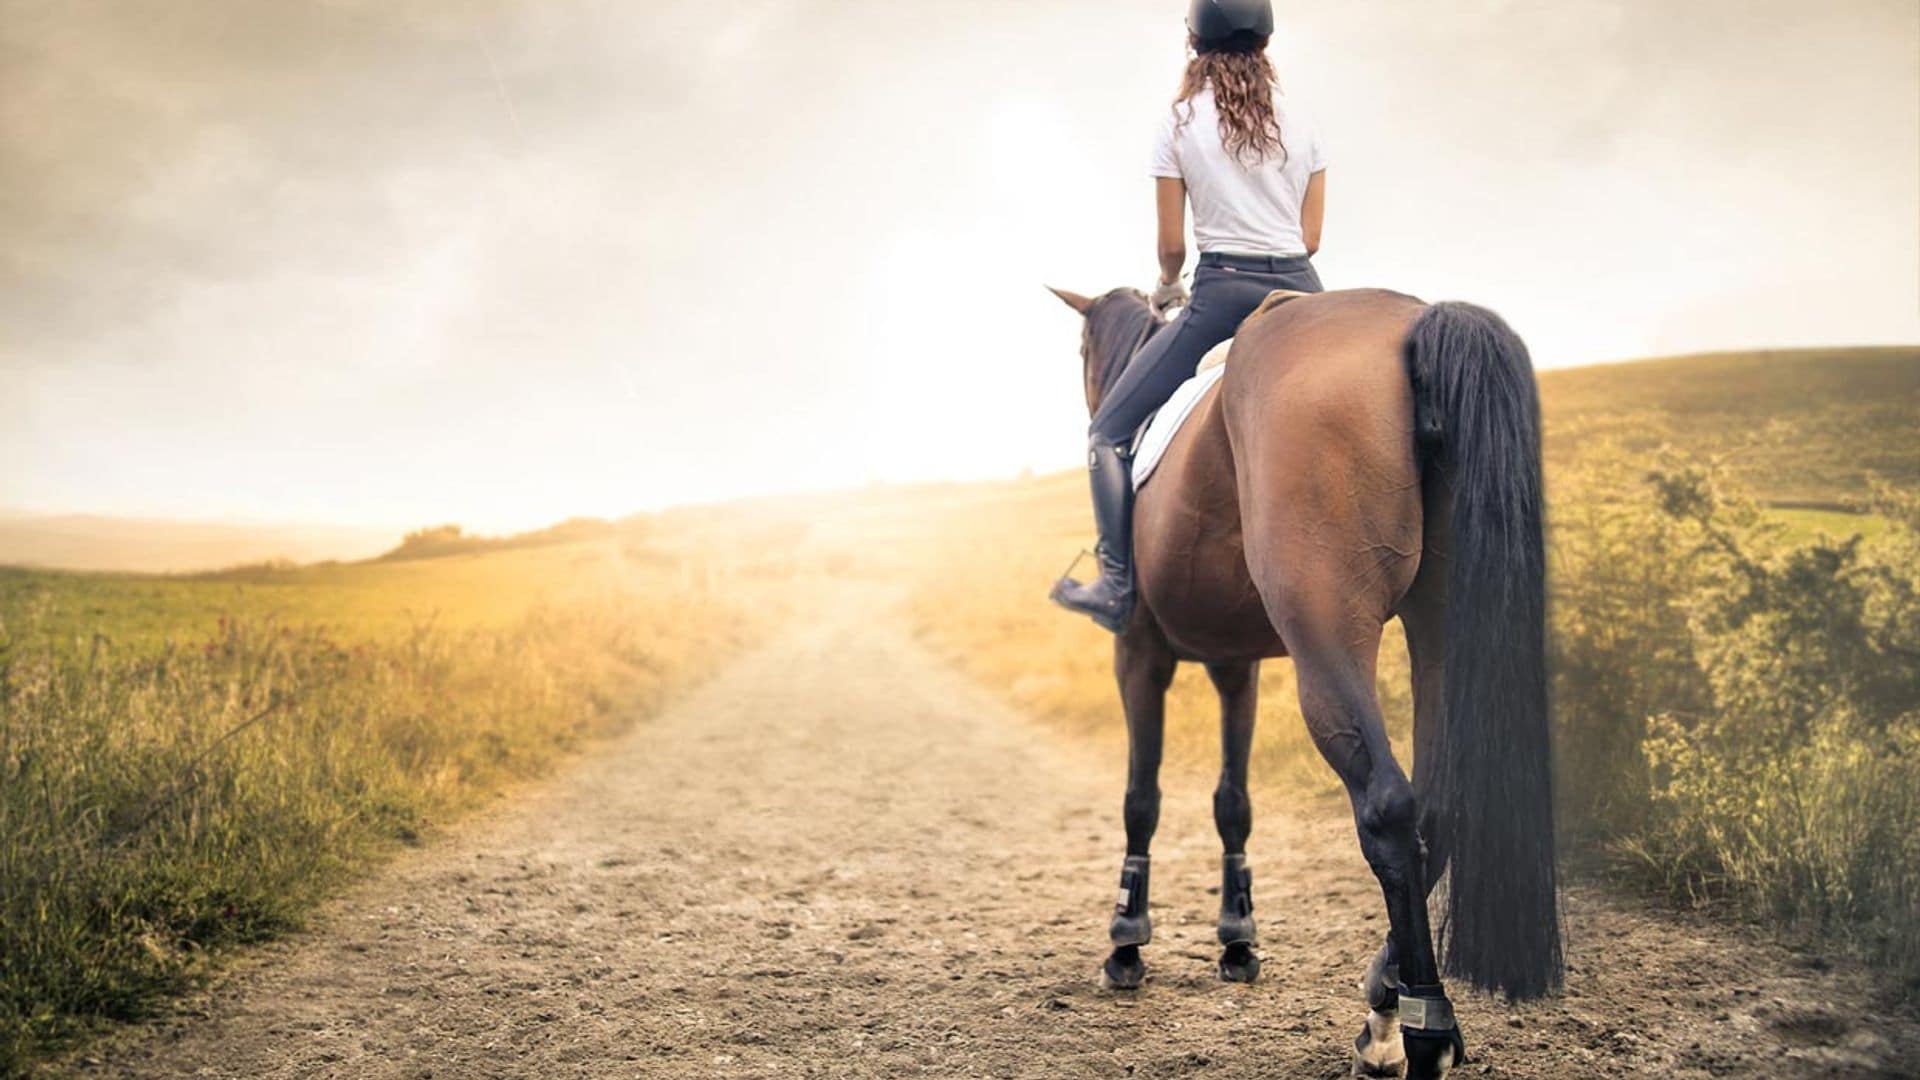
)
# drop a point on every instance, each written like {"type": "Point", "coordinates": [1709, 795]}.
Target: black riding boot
{"type": "Point", "coordinates": [1110, 599]}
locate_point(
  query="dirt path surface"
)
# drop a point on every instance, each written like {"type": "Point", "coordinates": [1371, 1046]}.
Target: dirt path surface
{"type": "Point", "coordinates": [839, 858]}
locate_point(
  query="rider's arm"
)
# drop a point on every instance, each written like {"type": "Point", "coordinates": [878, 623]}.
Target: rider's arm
{"type": "Point", "coordinates": [1170, 194]}
{"type": "Point", "coordinates": [1313, 210]}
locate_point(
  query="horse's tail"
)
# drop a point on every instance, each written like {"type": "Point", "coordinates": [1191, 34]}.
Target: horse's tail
{"type": "Point", "coordinates": [1478, 415]}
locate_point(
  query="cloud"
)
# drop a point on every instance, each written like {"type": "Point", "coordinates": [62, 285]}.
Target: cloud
{"type": "Point", "coordinates": [503, 260]}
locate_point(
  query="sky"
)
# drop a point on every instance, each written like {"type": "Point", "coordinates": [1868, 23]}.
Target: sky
{"type": "Point", "coordinates": [500, 263]}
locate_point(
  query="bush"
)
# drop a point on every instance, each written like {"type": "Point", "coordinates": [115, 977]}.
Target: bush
{"type": "Point", "coordinates": [440, 541]}
{"type": "Point", "coordinates": [1744, 711]}
{"type": "Point", "coordinates": [1622, 650]}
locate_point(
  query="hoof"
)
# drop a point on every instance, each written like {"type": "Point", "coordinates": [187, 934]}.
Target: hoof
{"type": "Point", "coordinates": [1431, 1059]}
{"type": "Point", "coordinates": [1239, 964]}
{"type": "Point", "coordinates": [1124, 970]}
{"type": "Point", "coordinates": [1381, 982]}
{"type": "Point", "coordinates": [1378, 1050]}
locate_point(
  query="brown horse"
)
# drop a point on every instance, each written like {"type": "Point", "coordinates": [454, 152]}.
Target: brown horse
{"type": "Point", "coordinates": [1366, 456]}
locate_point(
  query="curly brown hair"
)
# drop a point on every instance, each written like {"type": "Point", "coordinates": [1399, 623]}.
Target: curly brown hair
{"type": "Point", "coordinates": [1243, 82]}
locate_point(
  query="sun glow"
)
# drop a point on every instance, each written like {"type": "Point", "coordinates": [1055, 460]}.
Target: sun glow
{"type": "Point", "coordinates": [510, 266]}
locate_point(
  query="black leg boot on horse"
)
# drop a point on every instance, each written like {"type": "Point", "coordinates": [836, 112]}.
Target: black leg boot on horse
{"type": "Point", "coordinates": [1131, 927]}
{"type": "Point", "coordinates": [1238, 961]}
{"type": "Point", "coordinates": [1109, 598]}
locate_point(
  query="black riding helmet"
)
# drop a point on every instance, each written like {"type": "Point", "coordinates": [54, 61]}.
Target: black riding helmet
{"type": "Point", "coordinates": [1218, 21]}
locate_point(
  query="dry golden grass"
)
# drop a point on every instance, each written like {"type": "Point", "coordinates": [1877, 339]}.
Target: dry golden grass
{"type": "Point", "coordinates": [191, 763]}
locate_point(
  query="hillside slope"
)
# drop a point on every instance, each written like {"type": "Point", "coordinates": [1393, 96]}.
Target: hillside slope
{"type": "Point", "coordinates": [157, 546]}
{"type": "Point", "coordinates": [1802, 425]}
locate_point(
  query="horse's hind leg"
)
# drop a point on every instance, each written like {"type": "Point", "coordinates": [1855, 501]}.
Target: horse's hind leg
{"type": "Point", "coordinates": [1337, 698]}
{"type": "Point", "coordinates": [1238, 685]}
{"type": "Point", "coordinates": [1422, 617]}
{"type": "Point", "coordinates": [1144, 664]}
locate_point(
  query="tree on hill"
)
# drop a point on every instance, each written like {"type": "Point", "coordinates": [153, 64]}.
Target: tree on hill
{"type": "Point", "coordinates": [442, 540]}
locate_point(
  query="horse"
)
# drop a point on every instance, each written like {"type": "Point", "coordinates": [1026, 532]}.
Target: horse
{"type": "Point", "coordinates": [1365, 456]}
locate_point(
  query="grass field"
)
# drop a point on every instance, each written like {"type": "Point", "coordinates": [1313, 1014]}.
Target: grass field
{"type": "Point", "coordinates": [189, 763]}
{"type": "Point", "coordinates": [370, 599]}
{"type": "Point", "coordinates": [1804, 425]}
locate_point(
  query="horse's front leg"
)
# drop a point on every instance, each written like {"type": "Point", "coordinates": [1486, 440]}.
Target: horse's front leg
{"type": "Point", "coordinates": [1143, 664]}
{"type": "Point", "coordinates": [1238, 685]}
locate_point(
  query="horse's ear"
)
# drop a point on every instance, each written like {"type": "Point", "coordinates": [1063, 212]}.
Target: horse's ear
{"type": "Point", "coordinates": [1072, 299]}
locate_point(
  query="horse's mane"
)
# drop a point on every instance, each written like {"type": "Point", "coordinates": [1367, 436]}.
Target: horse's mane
{"type": "Point", "coordinates": [1118, 323]}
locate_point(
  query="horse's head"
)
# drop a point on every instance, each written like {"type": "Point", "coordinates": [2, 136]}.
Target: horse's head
{"type": "Point", "coordinates": [1116, 323]}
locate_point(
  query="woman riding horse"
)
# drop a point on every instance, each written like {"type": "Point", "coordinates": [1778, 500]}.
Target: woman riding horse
{"type": "Point", "coordinates": [1364, 457]}
{"type": "Point", "coordinates": [1254, 170]}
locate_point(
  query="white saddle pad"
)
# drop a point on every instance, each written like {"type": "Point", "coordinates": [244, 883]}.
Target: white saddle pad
{"type": "Point", "coordinates": [1166, 423]}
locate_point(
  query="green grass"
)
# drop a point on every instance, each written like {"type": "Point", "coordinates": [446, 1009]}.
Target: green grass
{"type": "Point", "coordinates": [1805, 425]}
{"type": "Point", "coordinates": [1803, 525]}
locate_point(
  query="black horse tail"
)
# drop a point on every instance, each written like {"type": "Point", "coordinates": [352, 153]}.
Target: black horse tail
{"type": "Point", "coordinates": [1478, 420]}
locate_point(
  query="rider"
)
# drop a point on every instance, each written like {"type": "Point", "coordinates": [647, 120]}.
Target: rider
{"type": "Point", "coordinates": [1253, 168]}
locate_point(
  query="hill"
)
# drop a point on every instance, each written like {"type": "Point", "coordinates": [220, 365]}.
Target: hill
{"type": "Point", "coordinates": [1803, 427]}
{"type": "Point", "coordinates": [158, 546]}
{"type": "Point", "coordinates": [1806, 426]}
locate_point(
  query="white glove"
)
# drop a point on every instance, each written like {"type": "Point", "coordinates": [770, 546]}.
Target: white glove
{"type": "Point", "coordinates": [1168, 295]}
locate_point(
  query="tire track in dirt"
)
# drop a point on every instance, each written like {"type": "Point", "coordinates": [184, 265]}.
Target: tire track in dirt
{"type": "Point", "coordinates": [840, 858]}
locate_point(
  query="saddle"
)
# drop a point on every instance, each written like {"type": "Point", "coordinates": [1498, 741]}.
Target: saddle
{"type": "Point", "coordinates": [1151, 442]}
{"type": "Point", "coordinates": [1158, 432]}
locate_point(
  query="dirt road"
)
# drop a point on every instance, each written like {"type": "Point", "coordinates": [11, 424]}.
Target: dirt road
{"type": "Point", "coordinates": [839, 858]}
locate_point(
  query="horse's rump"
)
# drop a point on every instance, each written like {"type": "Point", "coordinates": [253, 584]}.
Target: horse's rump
{"type": "Point", "coordinates": [1306, 441]}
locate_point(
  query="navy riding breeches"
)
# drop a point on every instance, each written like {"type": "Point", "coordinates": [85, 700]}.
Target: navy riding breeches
{"type": "Point", "coordinates": [1226, 289]}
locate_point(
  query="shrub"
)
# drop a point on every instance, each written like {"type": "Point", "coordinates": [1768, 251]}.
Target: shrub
{"type": "Point", "coordinates": [1744, 711]}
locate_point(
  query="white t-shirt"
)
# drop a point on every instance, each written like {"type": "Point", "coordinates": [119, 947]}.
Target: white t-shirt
{"type": "Point", "coordinates": [1236, 209]}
